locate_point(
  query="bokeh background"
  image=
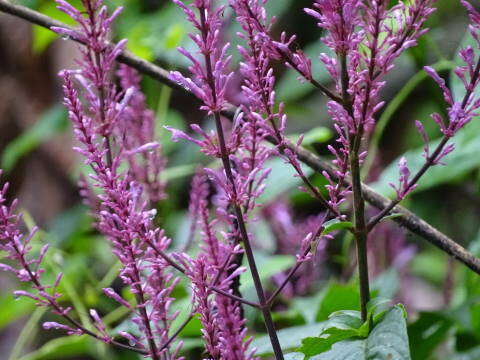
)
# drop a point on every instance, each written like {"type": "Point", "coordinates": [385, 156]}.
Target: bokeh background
{"type": "Point", "coordinates": [441, 296]}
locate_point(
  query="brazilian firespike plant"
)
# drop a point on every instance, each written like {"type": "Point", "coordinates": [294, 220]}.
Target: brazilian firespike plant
{"type": "Point", "coordinates": [115, 132]}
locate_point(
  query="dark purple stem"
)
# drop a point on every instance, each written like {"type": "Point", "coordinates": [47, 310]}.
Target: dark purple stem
{"type": "Point", "coordinates": [238, 211]}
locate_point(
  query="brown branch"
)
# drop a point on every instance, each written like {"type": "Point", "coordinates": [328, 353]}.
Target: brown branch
{"type": "Point", "coordinates": [126, 57]}
{"type": "Point", "coordinates": [407, 219]}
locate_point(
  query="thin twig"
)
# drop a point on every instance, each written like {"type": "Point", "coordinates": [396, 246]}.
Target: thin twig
{"type": "Point", "coordinates": [177, 332]}
{"type": "Point", "coordinates": [431, 160]}
{"type": "Point", "coordinates": [235, 297]}
{"type": "Point", "coordinates": [299, 263]}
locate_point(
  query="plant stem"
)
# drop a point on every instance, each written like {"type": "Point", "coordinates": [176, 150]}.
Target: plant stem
{"type": "Point", "coordinates": [360, 234]}
{"type": "Point", "coordinates": [236, 207]}
{"type": "Point", "coordinates": [248, 249]}
{"type": "Point", "coordinates": [140, 297]}
{"type": "Point", "coordinates": [360, 231]}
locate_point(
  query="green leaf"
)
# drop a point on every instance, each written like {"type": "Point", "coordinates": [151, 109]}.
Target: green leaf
{"type": "Point", "coordinates": [62, 347]}
{"type": "Point", "coordinates": [180, 171]}
{"type": "Point", "coordinates": [42, 37]}
{"type": "Point", "coordinates": [338, 297]}
{"type": "Point", "coordinates": [330, 226]}
{"type": "Point", "coordinates": [377, 307]}
{"type": "Point", "coordinates": [458, 164]}
{"type": "Point", "coordinates": [307, 306]}
{"type": "Point", "coordinates": [12, 308]}
{"type": "Point", "coordinates": [316, 345]}
{"type": "Point", "coordinates": [194, 327]}
{"type": "Point", "coordinates": [387, 283]}
{"type": "Point", "coordinates": [431, 264]}
{"type": "Point", "coordinates": [281, 179]}
{"type": "Point", "coordinates": [51, 123]}
{"type": "Point", "coordinates": [341, 326]}
{"type": "Point", "coordinates": [387, 341]}
{"type": "Point", "coordinates": [294, 356]}
{"type": "Point", "coordinates": [473, 354]}
{"type": "Point", "coordinates": [334, 225]}
{"type": "Point", "coordinates": [318, 134]}
{"type": "Point", "coordinates": [290, 338]}
{"type": "Point", "coordinates": [174, 36]}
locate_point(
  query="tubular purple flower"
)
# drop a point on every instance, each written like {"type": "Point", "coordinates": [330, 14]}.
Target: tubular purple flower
{"type": "Point", "coordinates": [136, 126]}
{"type": "Point", "coordinates": [223, 338]}
{"type": "Point", "coordinates": [49, 325]}
{"type": "Point", "coordinates": [97, 59]}
{"type": "Point", "coordinates": [122, 216]}
{"type": "Point", "coordinates": [340, 19]}
{"type": "Point", "coordinates": [112, 294]}
{"type": "Point", "coordinates": [423, 134]}
{"type": "Point", "coordinates": [210, 91]}
{"type": "Point", "coordinates": [253, 18]}
{"type": "Point", "coordinates": [461, 110]}
{"type": "Point", "coordinates": [199, 191]}
{"type": "Point", "coordinates": [404, 187]}
{"type": "Point", "coordinates": [200, 274]}
{"type": "Point", "coordinates": [209, 144]}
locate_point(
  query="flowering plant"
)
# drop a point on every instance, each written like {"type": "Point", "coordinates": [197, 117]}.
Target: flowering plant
{"type": "Point", "coordinates": [116, 136]}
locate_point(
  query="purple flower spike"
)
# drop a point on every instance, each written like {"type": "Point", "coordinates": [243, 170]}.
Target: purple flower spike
{"type": "Point", "coordinates": [113, 126]}
{"type": "Point", "coordinates": [211, 91]}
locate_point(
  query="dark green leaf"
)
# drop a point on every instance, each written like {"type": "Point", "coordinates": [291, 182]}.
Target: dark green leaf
{"type": "Point", "coordinates": [338, 297]}
{"type": "Point", "coordinates": [268, 267]}
{"type": "Point", "coordinates": [290, 338]}
{"type": "Point", "coordinates": [334, 225]}
{"type": "Point", "coordinates": [387, 341]}
{"type": "Point", "coordinates": [317, 135]}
